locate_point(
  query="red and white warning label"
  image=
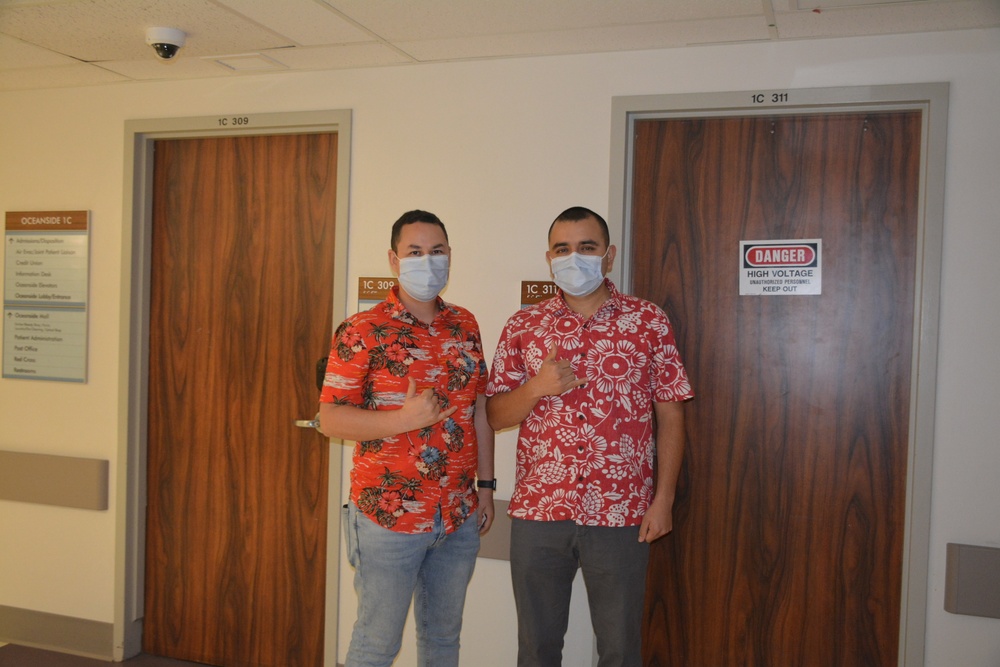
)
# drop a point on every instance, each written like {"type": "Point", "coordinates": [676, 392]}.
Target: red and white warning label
{"type": "Point", "coordinates": [783, 267]}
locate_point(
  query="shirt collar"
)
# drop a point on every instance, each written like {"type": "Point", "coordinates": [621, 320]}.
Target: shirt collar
{"type": "Point", "coordinates": [398, 311]}
{"type": "Point", "coordinates": [558, 305]}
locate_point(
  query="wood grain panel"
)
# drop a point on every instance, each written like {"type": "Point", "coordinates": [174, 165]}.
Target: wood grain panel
{"type": "Point", "coordinates": [241, 308]}
{"type": "Point", "coordinates": [788, 530]}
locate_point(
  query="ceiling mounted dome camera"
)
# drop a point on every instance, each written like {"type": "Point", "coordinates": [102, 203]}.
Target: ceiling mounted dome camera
{"type": "Point", "coordinates": [166, 42]}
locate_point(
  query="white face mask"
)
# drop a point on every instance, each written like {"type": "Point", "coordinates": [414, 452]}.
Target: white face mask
{"type": "Point", "coordinates": [577, 274]}
{"type": "Point", "coordinates": [423, 277]}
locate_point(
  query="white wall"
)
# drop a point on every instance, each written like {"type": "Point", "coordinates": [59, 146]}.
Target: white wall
{"type": "Point", "coordinates": [496, 148]}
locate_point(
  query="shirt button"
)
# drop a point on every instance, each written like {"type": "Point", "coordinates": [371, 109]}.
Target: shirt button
{"type": "Point", "coordinates": [580, 416]}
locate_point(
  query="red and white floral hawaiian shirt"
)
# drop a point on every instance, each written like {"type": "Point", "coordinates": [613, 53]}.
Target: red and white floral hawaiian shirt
{"type": "Point", "coordinates": [587, 455]}
{"type": "Point", "coordinates": [400, 481]}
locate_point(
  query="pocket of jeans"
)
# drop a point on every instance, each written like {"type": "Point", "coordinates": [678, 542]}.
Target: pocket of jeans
{"type": "Point", "coordinates": [347, 522]}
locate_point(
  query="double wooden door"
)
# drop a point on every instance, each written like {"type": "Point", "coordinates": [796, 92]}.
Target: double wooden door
{"type": "Point", "coordinates": [789, 521]}
{"type": "Point", "coordinates": [240, 309]}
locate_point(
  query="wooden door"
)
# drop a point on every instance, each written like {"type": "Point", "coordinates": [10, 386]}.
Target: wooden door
{"type": "Point", "coordinates": [241, 308]}
{"type": "Point", "coordinates": [787, 546]}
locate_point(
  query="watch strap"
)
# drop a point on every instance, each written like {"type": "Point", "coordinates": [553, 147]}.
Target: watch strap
{"type": "Point", "coordinates": [487, 484]}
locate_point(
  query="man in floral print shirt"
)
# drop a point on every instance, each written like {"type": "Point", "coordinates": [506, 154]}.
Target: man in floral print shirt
{"type": "Point", "coordinates": [595, 381]}
{"type": "Point", "coordinates": [406, 381]}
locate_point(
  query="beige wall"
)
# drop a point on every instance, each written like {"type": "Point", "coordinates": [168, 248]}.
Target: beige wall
{"type": "Point", "coordinates": [496, 148]}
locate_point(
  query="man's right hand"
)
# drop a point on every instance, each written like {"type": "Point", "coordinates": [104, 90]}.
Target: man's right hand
{"type": "Point", "coordinates": [423, 409]}
{"type": "Point", "coordinates": [555, 376]}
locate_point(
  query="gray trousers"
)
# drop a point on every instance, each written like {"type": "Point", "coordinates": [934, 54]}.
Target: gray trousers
{"type": "Point", "coordinates": [544, 558]}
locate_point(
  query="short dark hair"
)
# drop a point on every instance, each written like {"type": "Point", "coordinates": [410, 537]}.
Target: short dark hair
{"type": "Point", "coordinates": [409, 218]}
{"type": "Point", "coordinates": [577, 213]}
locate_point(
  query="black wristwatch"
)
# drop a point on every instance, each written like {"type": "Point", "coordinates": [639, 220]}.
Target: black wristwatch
{"type": "Point", "coordinates": [487, 484]}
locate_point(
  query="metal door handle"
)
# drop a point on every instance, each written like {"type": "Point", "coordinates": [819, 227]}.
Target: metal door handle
{"type": "Point", "coordinates": [308, 423]}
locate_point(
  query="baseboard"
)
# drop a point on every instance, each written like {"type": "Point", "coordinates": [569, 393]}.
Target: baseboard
{"type": "Point", "coordinates": [65, 634]}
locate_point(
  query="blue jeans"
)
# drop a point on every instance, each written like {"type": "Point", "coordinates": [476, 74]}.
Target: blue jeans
{"type": "Point", "coordinates": [390, 568]}
{"type": "Point", "coordinates": [544, 558]}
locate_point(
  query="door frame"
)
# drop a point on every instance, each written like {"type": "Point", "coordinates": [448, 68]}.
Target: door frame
{"type": "Point", "coordinates": [130, 464]}
{"type": "Point", "coordinates": [932, 100]}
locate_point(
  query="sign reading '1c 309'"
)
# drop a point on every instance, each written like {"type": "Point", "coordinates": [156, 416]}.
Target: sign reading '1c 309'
{"type": "Point", "coordinates": [785, 267]}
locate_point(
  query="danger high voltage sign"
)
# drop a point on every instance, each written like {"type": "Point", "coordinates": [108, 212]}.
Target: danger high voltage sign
{"type": "Point", "coordinates": [781, 267]}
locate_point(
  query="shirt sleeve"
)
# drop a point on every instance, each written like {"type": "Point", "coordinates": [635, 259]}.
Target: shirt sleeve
{"type": "Point", "coordinates": [509, 370]}
{"type": "Point", "coordinates": [670, 380]}
{"type": "Point", "coordinates": [477, 346]}
{"type": "Point", "coordinates": [347, 365]}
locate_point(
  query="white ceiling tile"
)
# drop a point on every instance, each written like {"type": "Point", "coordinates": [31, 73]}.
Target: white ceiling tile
{"type": "Point", "coordinates": [432, 19]}
{"type": "Point", "coordinates": [247, 62]}
{"type": "Point", "coordinates": [306, 22]}
{"type": "Point", "coordinates": [888, 19]}
{"type": "Point", "coordinates": [148, 70]}
{"type": "Point", "coordinates": [55, 77]}
{"type": "Point", "coordinates": [814, 4]}
{"type": "Point", "coordinates": [98, 30]}
{"type": "Point", "coordinates": [339, 57]}
{"type": "Point", "coordinates": [617, 38]}
{"type": "Point", "coordinates": [16, 54]}
{"type": "Point", "coordinates": [53, 40]}
{"type": "Point", "coordinates": [784, 5]}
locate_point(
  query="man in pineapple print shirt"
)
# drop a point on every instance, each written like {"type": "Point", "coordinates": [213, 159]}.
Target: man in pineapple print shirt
{"type": "Point", "coordinates": [406, 381]}
{"type": "Point", "coordinates": [595, 381]}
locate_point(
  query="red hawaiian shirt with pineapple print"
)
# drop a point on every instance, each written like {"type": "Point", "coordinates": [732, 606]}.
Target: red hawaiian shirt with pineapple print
{"type": "Point", "coordinates": [587, 455]}
{"type": "Point", "coordinates": [399, 482]}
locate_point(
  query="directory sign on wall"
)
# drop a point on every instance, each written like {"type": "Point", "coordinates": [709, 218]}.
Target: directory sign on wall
{"type": "Point", "coordinates": [46, 280]}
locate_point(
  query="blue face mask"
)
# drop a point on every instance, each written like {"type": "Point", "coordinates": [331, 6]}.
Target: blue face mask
{"type": "Point", "coordinates": [578, 275]}
{"type": "Point", "coordinates": [424, 277]}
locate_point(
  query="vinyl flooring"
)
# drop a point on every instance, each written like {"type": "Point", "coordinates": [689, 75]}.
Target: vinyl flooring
{"type": "Point", "coordinates": [12, 655]}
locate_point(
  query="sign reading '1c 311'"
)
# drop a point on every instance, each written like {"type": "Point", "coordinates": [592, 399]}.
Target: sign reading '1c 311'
{"type": "Point", "coordinates": [786, 267]}
{"type": "Point", "coordinates": [536, 291]}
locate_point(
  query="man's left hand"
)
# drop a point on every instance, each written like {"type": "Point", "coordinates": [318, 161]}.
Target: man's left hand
{"type": "Point", "coordinates": [486, 511]}
{"type": "Point", "coordinates": [657, 522]}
